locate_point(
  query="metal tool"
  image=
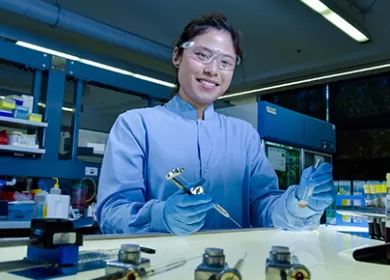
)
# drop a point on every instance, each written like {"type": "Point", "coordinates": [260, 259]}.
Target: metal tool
{"type": "Point", "coordinates": [131, 265]}
{"type": "Point", "coordinates": [141, 273]}
{"type": "Point", "coordinates": [283, 265]}
{"type": "Point", "coordinates": [171, 176]}
{"type": "Point", "coordinates": [309, 191]}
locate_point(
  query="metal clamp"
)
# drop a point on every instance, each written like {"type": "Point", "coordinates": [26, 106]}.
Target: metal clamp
{"type": "Point", "coordinates": [131, 265]}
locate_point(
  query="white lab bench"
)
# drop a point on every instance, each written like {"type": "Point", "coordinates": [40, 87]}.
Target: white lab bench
{"type": "Point", "coordinates": [15, 224]}
{"type": "Point", "coordinates": [326, 252]}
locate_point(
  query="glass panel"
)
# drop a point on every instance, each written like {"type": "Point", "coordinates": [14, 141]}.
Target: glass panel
{"type": "Point", "coordinates": [360, 109]}
{"type": "Point", "coordinates": [15, 79]}
{"type": "Point", "coordinates": [368, 144]}
{"type": "Point", "coordinates": [308, 101]}
{"type": "Point", "coordinates": [286, 162]}
{"type": "Point", "coordinates": [101, 106]}
{"type": "Point", "coordinates": [312, 157]}
{"type": "Point", "coordinates": [367, 98]}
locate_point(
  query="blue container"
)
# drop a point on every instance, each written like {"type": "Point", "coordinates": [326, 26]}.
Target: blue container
{"type": "Point", "coordinates": [5, 113]}
{"type": "Point", "coordinates": [18, 101]}
{"type": "Point", "coordinates": [20, 210]}
{"type": "Point", "coordinates": [20, 112]}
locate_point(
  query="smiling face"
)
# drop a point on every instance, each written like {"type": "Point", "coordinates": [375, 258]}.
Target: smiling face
{"type": "Point", "coordinates": [202, 83]}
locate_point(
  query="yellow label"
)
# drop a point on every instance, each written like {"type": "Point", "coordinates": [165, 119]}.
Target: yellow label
{"type": "Point", "coordinates": [44, 212]}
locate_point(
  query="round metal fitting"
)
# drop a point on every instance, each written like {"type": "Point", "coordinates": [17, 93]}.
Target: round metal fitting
{"type": "Point", "coordinates": [214, 257]}
{"type": "Point", "coordinates": [280, 254]}
{"type": "Point", "coordinates": [130, 253]}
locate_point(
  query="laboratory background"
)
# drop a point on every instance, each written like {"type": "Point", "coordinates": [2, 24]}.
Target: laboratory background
{"type": "Point", "coordinates": [314, 83]}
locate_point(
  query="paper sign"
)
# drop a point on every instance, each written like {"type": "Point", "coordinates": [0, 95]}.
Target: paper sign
{"type": "Point", "coordinates": [277, 158]}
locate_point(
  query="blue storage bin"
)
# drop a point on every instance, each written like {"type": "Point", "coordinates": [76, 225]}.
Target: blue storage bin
{"type": "Point", "coordinates": [20, 210]}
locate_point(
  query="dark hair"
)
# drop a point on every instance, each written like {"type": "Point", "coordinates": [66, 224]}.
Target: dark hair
{"type": "Point", "coordinates": [200, 25]}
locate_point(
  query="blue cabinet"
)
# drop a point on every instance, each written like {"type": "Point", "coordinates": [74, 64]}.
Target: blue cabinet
{"type": "Point", "coordinates": [288, 127]}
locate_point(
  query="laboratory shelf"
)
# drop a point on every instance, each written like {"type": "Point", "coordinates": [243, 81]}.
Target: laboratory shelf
{"type": "Point", "coordinates": [10, 148]}
{"type": "Point", "coordinates": [21, 123]}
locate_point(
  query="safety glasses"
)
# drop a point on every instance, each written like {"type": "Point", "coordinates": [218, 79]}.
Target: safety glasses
{"type": "Point", "coordinates": [205, 55]}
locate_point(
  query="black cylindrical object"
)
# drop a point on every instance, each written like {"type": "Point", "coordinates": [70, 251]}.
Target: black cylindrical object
{"type": "Point", "coordinates": [280, 254]}
{"type": "Point", "coordinates": [130, 253]}
{"type": "Point", "coordinates": [377, 229]}
{"type": "Point", "coordinates": [214, 257]}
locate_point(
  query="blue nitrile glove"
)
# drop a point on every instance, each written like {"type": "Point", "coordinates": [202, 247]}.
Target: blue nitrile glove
{"type": "Point", "coordinates": [322, 180]}
{"type": "Point", "coordinates": [185, 214]}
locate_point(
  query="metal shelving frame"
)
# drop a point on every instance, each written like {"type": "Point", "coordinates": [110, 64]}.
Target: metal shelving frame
{"type": "Point", "coordinates": [47, 164]}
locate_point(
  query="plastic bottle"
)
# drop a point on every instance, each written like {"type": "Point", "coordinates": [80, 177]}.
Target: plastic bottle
{"type": "Point", "coordinates": [57, 204]}
{"type": "Point", "coordinates": [56, 188]}
{"type": "Point", "coordinates": [40, 209]}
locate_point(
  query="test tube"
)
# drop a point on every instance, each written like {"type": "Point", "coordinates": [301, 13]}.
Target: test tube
{"type": "Point", "coordinates": [309, 191]}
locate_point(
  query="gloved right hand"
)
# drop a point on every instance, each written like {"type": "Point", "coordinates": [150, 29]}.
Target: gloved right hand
{"type": "Point", "coordinates": [185, 214]}
{"type": "Point", "coordinates": [321, 180]}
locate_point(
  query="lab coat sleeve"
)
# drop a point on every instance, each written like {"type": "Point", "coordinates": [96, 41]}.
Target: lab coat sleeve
{"type": "Point", "coordinates": [121, 196]}
{"type": "Point", "coordinates": [271, 207]}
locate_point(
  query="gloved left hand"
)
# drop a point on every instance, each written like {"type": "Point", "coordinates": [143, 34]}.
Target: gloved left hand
{"type": "Point", "coordinates": [321, 180]}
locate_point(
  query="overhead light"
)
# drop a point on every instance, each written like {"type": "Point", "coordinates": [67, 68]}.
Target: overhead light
{"type": "Point", "coordinates": [336, 20]}
{"type": "Point", "coordinates": [305, 81]}
{"type": "Point", "coordinates": [42, 49]}
{"type": "Point", "coordinates": [44, 105]}
{"type": "Point", "coordinates": [63, 108]}
{"type": "Point", "coordinates": [95, 64]}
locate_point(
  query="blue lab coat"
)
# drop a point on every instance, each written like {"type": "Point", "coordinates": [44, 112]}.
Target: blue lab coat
{"type": "Point", "coordinates": [145, 144]}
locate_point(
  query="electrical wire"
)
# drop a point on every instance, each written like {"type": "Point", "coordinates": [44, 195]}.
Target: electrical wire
{"type": "Point", "coordinates": [94, 188]}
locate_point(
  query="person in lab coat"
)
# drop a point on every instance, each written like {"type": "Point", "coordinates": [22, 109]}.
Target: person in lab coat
{"type": "Point", "coordinates": [222, 153]}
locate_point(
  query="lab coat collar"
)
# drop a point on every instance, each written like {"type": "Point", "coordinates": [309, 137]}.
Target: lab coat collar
{"type": "Point", "coordinates": [187, 110]}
